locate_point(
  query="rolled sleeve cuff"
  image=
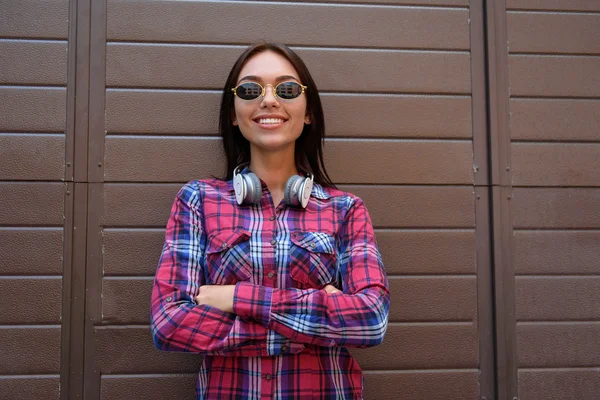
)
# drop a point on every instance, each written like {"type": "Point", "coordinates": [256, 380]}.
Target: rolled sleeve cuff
{"type": "Point", "coordinates": [253, 301]}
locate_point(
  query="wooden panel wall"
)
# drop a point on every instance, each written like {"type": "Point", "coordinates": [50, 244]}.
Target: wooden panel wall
{"type": "Point", "coordinates": [396, 87]}
{"type": "Point", "coordinates": [33, 78]}
{"type": "Point", "coordinates": [554, 67]}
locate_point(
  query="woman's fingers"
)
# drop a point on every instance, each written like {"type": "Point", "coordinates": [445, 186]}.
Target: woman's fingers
{"type": "Point", "coordinates": [331, 289]}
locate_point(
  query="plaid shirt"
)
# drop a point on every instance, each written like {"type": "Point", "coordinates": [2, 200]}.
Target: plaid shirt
{"type": "Point", "coordinates": [287, 337]}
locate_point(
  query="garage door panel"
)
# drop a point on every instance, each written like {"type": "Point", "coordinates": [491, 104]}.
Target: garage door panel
{"type": "Point", "coordinates": [130, 158]}
{"type": "Point", "coordinates": [43, 303]}
{"type": "Point", "coordinates": [558, 5]}
{"type": "Point", "coordinates": [556, 164]}
{"type": "Point", "coordinates": [200, 67]}
{"type": "Point", "coordinates": [32, 109]}
{"type": "Point", "coordinates": [32, 157]}
{"type": "Point", "coordinates": [29, 251]}
{"type": "Point", "coordinates": [195, 21]}
{"type": "Point", "coordinates": [51, 19]}
{"type": "Point", "coordinates": [125, 349]}
{"type": "Point", "coordinates": [149, 205]}
{"type": "Point", "coordinates": [566, 344]}
{"type": "Point", "coordinates": [558, 298]}
{"type": "Point", "coordinates": [132, 251]}
{"type": "Point", "coordinates": [538, 33]}
{"type": "Point", "coordinates": [29, 350]}
{"type": "Point", "coordinates": [559, 76]}
{"type": "Point", "coordinates": [556, 208]}
{"type": "Point", "coordinates": [415, 299]}
{"type": "Point", "coordinates": [555, 119]}
{"type": "Point", "coordinates": [581, 384]}
{"type": "Point", "coordinates": [557, 252]}
{"type": "Point", "coordinates": [34, 387]}
{"type": "Point", "coordinates": [39, 203]}
{"type": "Point", "coordinates": [33, 62]}
{"type": "Point", "coordinates": [184, 112]}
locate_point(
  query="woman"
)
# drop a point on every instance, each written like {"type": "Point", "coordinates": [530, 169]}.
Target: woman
{"type": "Point", "coordinates": [271, 272]}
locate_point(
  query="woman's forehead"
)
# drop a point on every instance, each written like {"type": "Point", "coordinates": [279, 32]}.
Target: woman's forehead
{"type": "Point", "coordinates": [268, 66]}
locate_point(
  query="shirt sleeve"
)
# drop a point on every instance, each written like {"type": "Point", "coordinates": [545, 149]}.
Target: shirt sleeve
{"type": "Point", "coordinates": [177, 323]}
{"type": "Point", "coordinates": [357, 317]}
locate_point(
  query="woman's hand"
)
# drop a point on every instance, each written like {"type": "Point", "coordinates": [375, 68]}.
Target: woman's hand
{"type": "Point", "coordinates": [331, 289]}
{"type": "Point", "coordinates": [219, 296]}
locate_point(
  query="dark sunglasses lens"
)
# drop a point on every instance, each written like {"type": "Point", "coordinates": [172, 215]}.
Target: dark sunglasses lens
{"type": "Point", "coordinates": [248, 91]}
{"type": "Point", "coordinates": [289, 90]}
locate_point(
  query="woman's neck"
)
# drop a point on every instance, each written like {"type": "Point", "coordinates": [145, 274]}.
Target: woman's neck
{"type": "Point", "coordinates": [274, 168]}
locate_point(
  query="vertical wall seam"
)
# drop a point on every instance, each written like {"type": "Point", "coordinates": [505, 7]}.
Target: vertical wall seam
{"type": "Point", "coordinates": [500, 200]}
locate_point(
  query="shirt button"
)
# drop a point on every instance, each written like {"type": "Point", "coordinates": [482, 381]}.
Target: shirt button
{"type": "Point", "coordinates": [271, 274]}
{"type": "Point", "coordinates": [313, 245]}
{"type": "Point", "coordinates": [272, 218]}
{"type": "Point", "coordinates": [284, 348]}
{"type": "Point", "coordinates": [169, 298]}
{"type": "Point", "coordinates": [273, 242]}
{"type": "Point", "coordinates": [268, 377]}
{"type": "Point", "coordinates": [224, 245]}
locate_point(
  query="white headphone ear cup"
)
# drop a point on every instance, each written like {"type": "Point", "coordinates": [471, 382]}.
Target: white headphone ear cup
{"type": "Point", "coordinates": [240, 189]}
{"type": "Point", "coordinates": [290, 194]}
{"type": "Point", "coordinates": [254, 188]}
{"type": "Point", "coordinates": [304, 194]}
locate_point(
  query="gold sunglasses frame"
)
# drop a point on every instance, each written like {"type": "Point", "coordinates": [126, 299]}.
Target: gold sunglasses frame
{"type": "Point", "coordinates": [264, 90]}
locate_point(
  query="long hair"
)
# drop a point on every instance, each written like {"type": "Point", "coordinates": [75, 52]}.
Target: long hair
{"type": "Point", "coordinates": [309, 146]}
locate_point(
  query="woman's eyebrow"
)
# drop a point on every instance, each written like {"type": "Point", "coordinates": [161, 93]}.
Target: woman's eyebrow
{"type": "Point", "coordinates": [259, 79]}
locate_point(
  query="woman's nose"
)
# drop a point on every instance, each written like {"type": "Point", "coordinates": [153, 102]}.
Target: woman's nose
{"type": "Point", "coordinates": [270, 99]}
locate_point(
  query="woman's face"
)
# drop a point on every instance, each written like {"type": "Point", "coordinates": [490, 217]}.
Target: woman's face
{"type": "Point", "coordinates": [269, 123]}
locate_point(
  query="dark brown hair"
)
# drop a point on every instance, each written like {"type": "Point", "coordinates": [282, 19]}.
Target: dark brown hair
{"type": "Point", "coordinates": [309, 146]}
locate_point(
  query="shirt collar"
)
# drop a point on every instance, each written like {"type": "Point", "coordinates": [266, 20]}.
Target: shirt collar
{"type": "Point", "coordinates": [317, 192]}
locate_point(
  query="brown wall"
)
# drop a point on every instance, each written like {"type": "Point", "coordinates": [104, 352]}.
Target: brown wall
{"type": "Point", "coordinates": [95, 142]}
{"type": "Point", "coordinates": [554, 70]}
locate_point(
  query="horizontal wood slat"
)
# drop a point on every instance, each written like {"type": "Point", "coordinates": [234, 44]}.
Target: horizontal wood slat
{"type": "Point", "coordinates": [559, 385]}
{"type": "Point", "coordinates": [43, 305]}
{"type": "Point", "coordinates": [129, 349]}
{"type": "Point", "coordinates": [538, 33]}
{"type": "Point", "coordinates": [556, 164]}
{"type": "Point", "coordinates": [558, 5]}
{"type": "Point", "coordinates": [546, 345]}
{"type": "Point", "coordinates": [30, 350]}
{"type": "Point", "coordinates": [39, 203]}
{"type": "Point", "coordinates": [415, 299]}
{"type": "Point", "coordinates": [51, 19]}
{"type": "Point", "coordinates": [32, 109]}
{"type": "Point", "coordinates": [148, 205]}
{"type": "Point", "coordinates": [207, 67]}
{"type": "Point", "coordinates": [32, 157]}
{"type": "Point", "coordinates": [452, 385]}
{"type": "Point", "coordinates": [219, 22]}
{"type": "Point", "coordinates": [136, 252]}
{"type": "Point", "coordinates": [558, 298]}
{"type": "Point", "coordinates": [555, 119]}
{"type": "Point", "coordinates": [27, 62]}
{"type": "Point", "coordinates": [30, 387]}
{"type": "Point", "coordinates": [191, 112]}
{"type": "Point", "coordinates": [376, 161]}
{"type": "Point", "coordinates": [554, 76]}
{"type": "Point", "coordinates": [31, 251]}
{"type": "Point", "coordinates": [557, 252]}
{"type": "Point", "coordinates": [556, 208]}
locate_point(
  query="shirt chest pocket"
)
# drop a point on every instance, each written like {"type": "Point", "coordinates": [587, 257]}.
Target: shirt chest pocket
{"type": "Point", "coordinates": [313, 259]}
{"type": "Point", "coordinates": [228, 257]}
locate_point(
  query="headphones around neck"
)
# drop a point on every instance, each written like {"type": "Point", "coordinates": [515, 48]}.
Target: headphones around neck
{"type": "Point", "coordinates": [248, 189]}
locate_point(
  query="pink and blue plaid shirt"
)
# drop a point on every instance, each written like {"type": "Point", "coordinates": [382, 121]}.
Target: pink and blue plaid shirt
{"type": "Point", "coordinates": [287, 337]}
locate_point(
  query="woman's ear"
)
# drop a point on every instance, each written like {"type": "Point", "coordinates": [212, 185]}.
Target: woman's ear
{"type": "Point", "coordinates": [234, 119]}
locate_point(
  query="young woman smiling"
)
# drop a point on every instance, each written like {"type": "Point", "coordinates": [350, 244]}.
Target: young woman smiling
{"type": "Point", "coordinates": [270, 272]}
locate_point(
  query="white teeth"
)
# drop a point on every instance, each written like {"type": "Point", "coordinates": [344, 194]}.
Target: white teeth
{"type": "Point", "coordinates": [270, 121]}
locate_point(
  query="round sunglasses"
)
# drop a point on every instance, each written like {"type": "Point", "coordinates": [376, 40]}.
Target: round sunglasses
{"type": "Point", "coordinates": [284, 90]}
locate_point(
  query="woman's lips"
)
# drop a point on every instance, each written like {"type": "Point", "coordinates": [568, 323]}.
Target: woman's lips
{"type": "Point", "coordinates": [269, 123]}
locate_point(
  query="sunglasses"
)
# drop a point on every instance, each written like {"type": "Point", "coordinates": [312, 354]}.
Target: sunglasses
{"type": "Point", "coordinates": [284, 90]}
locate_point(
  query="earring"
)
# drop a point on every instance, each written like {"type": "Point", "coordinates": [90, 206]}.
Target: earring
{"type": "Point", "coordinates": [307, 120]}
